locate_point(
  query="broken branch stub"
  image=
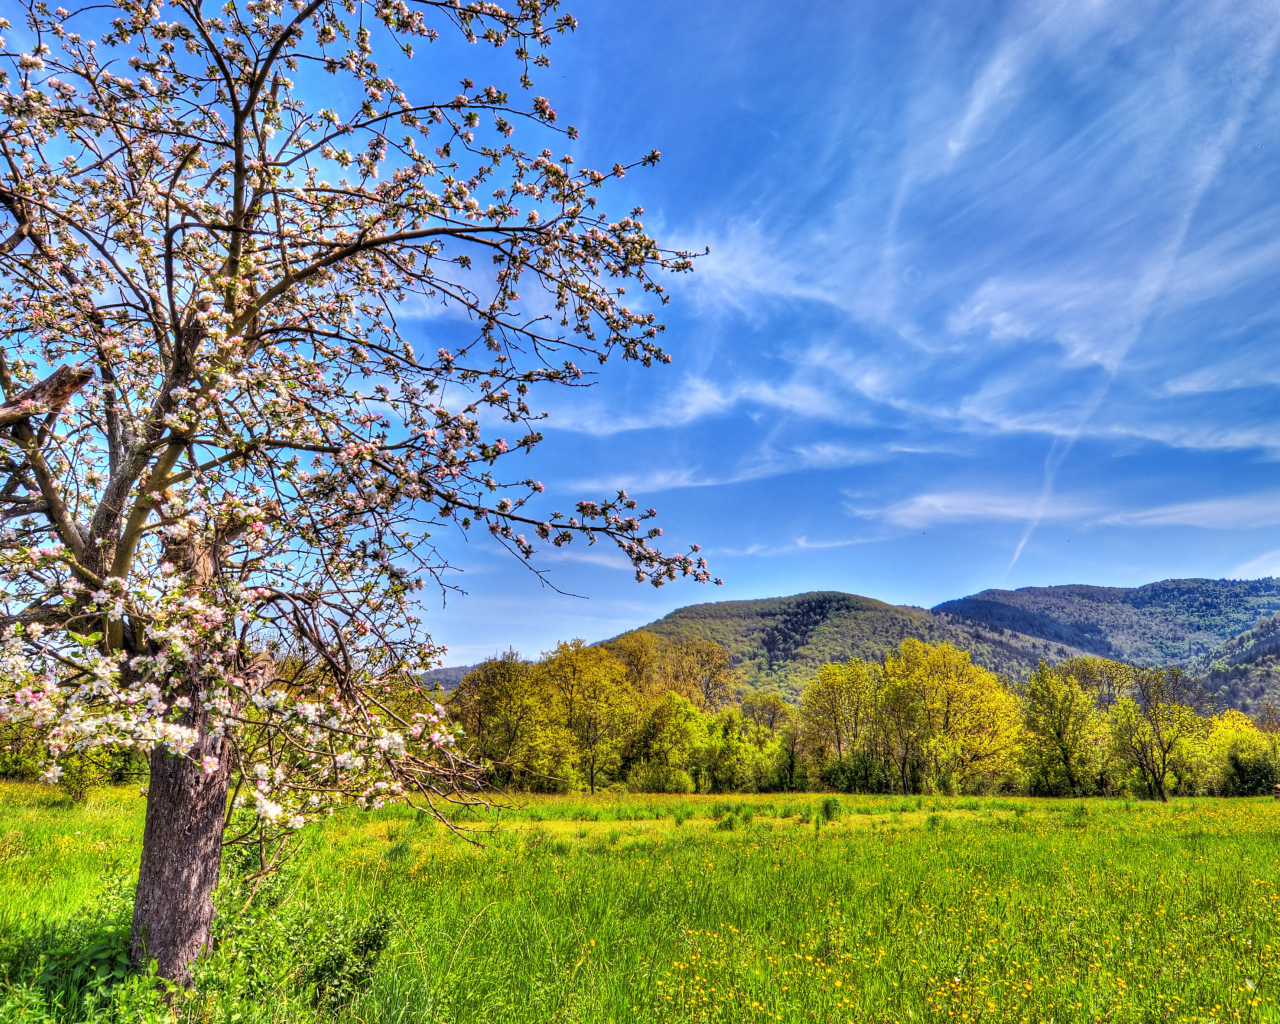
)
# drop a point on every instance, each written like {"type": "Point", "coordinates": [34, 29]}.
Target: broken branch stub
{"type": "Point", "coordinates": [50, 395]}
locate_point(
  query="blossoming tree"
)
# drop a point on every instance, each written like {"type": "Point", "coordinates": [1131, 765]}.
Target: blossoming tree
{"type": "Point", "coordinates": [222, 456]}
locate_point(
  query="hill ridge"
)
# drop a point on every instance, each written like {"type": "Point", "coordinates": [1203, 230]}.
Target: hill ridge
{"type": "Point", "coordinates": [779, 641]}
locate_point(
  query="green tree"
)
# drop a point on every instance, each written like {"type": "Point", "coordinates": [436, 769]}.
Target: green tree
{"type": "Point", "coordinates": [664, 751]}
{"type": "Point", "coordinates": [1105, 680]}
{"type": "Point", "coordinates": [508, 716]}
{"type": "Point", "coordinates": [727, 761]}
{"type": "Point", "coordinates": [955, 719]}
{"type": "Point", "coordinates": [788, 761]}
{"type": "Point", "coordinates": [641, 654]}
{"type": "Point", "coordinates": [598, 705]}
{"type": "Point", "coordinates": [1065, 731]}
{"type": "Point", "coordinates": [1162, 712]}
{"type": "Point", "coordinates": [839, 705]}
{"type": "Point", "coordinates": [701, 670]}
{"type": "Point", "coordinates": [905, 719]}
{"type": "Point", "coordinates": [766, 712]}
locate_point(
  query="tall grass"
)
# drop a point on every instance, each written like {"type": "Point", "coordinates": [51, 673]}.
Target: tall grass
{"type": "Point", "coordinates": [618, 909]}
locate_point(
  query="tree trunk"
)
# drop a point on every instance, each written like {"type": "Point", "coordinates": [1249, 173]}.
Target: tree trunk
{"type": "Point", "coordinates": [181, 857]}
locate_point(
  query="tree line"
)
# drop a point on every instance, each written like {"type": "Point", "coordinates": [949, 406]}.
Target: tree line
{"type": "Point", "coordinates": [651, 715]}
{"type": "Point", "coordinates": [647, 714]}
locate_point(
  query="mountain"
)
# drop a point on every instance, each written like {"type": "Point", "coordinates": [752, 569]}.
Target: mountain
{"type": "Point", "coordinates": [780, 641]}
{"type": "Point", "coordinates": [1220, 629]}
{"type": "Point", "coordinates": [1245, 670]}
{"type": "Point", "coordinates": [1171, 622]}
{"type": "Point", "coordinates": [446, 678]}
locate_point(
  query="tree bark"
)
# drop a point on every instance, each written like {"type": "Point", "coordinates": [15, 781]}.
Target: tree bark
{"type": "Point", "coordinates": [181, 857]}
{"type": "Point", "coordinates": [50, 395]}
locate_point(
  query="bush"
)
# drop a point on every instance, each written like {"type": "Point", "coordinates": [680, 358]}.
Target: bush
{"type": "Point", "coordinates": [21, 753]}
{"type": "Point", "coordinates": [652, 777]}
{"type": "Point", "coordinates": [74, 967]}
{"type": "Point", "coordinates": [346, 966]}
{"type": "Point", "coordinates": [861, 773]}
{"type": "Point", "coordinates": [1249, 774]}
{"type": "Point", "coordinates": [271, 950]}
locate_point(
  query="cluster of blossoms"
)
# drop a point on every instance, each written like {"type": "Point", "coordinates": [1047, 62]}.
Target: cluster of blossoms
{"type": "Point", "coordinates": [296, 754]}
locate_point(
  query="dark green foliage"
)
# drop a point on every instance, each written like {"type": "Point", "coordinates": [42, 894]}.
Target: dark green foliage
{"type": "Point", "coordinates": [271, 945]}
{"type": "Point", "coordinates": [21, 753]}
{"type": "Point", "coordinates": [863, 772]}
{"type": "Point", "coordinates": [346, 967]}
{"type": "Point", "coordinates": [1245, 670]}
{"type": "Point", "coordinates": [794, 624]}
{"type": "Point", "coordinates": [1250, 776]}
{"type": "Point", "coordinates": [24, 757]}
{"type": "Point", "coordinates": [1168, 622]}
{"type": "Point", "coordinates": [74, 964]}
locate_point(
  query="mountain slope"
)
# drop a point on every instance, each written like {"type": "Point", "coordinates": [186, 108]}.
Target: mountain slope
{"type": "Point", "coordinates": [1172, 621]}
{"type": "Point", "coordinates": [1245, 670]}
{"type": "Point", "coordinates": [779, 642]}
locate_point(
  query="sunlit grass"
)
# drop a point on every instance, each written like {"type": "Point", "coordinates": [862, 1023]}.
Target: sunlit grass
{"type": "Point", "coordinates": [757, 908]}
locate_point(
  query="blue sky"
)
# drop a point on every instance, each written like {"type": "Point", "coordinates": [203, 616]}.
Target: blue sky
{"type": "Point", "coordinates": [991, 302]}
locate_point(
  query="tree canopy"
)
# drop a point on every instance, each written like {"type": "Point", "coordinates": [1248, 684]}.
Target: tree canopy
{"type": "Point", "coordinates": [224, 452]}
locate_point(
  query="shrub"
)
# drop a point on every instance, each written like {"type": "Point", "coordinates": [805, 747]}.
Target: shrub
{"type": "Point", "coordinates": [346, 967]}
{"type": "Point", "coordinates": [1249, 774]}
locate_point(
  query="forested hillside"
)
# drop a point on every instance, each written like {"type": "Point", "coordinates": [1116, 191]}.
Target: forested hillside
{"type": "Point", "coordinates": [1205, 625]}
{"type": "Point", "coordinates": [1171, 622]}
{"type": "Point", "coordinates": [1245, 670]}
{"type": "Point", "coordinates": [779, 642]}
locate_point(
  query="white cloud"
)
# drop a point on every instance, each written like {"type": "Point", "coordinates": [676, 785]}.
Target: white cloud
{"type": "Point", "coordinates": [1245, 512]}
{"type": "Point", "coordinates": [769, 460]}
{"type": "Point", "coordinates": [696, 398]}
{"type": "Point", "coordinates": [1267, 564]}
{"type": "Point", "coordinates": [960, 506]}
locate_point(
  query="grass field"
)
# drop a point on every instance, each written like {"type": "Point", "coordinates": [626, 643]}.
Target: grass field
{"type": "Point", "coordinates": [697, 909]}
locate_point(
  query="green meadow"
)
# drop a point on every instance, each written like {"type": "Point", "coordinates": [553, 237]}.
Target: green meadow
{"type": "Point", "coordinates": [617, 908]}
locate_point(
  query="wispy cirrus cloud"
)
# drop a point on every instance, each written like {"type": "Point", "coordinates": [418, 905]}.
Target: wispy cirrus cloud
{"type": "Point", "coordinates": [966, 506]}
{"type": "Point", "coordinates": [1003, 274]}
{"type": "Point", "coordinates": [1244, 512]}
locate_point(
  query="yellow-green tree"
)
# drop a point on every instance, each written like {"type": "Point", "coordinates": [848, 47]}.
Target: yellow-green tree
{"type": "Point", "coordinates": [838, 706]}
{"type": "Point", "coordinates": [765, 712]}
{"type": "Point", "coordinates": [979, 734]}
{"type": "Point", "coordinates": [1232, 757]}
{"type": "Point", "coordinates": [956, 720]}
{"type": "Point", "coordinates": [665, 751]}
{"type": "Point", "coordinates": [1162, 712]}
{"type": "Point", "coordinates": [593, 703]}
{"type": "Point", "coordinates": [1103, 679]}
{"type": "Point", "coordinates": [508, 716]}
{"type": "Point", "coordinates": [641, 654]}
{"type": "Point", "coordinates": [1066, 733]}
{"type": "Point", "coordinates": [701, 670]}
{"type": "Point", "coordinates": [906, 718]}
